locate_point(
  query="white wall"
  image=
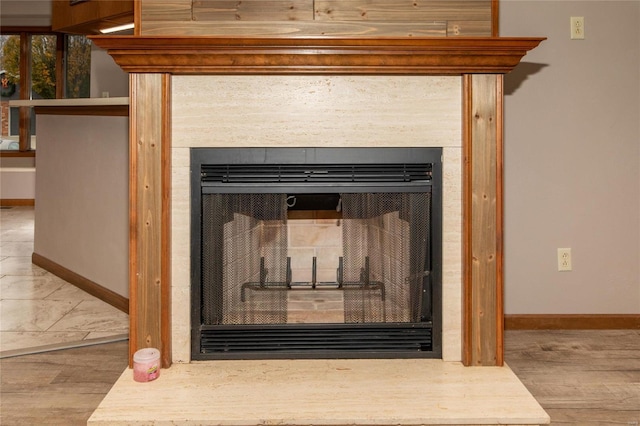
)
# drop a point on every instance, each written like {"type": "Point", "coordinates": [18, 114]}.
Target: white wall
{"type": "Point", "coordinates": [572, 159]}
{"type": "Point", "coordinates": [17, 178]}
{"type": "Point", "coordinates": [107, 76]}
{"type": "Point", "coordinates": [17, 183]}
{"type": "Point", "coordinates": [81, 215]}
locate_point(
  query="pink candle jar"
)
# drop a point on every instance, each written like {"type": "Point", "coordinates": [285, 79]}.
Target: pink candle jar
{"type": "Point", "coordinates": [146, 365]}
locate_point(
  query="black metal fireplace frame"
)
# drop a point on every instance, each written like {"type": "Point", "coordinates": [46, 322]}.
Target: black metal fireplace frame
{"type": "Point", "coordinates": [414, 340]}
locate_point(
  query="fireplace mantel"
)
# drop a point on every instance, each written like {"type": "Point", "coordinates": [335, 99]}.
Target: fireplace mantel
{"type": "Point", "coordinates": [399, 55]}
{"type": "Point", "coordinates": [481, 63]}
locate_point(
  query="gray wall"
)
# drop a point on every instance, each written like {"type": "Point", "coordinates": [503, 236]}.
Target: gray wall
{"type": "Point", "coordinates": [572, 159]}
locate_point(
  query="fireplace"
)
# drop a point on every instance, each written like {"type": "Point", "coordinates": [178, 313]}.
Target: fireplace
{"type": "Point", "coordinates": [372, 290]}
{"type": "Point", "coordinates": [175, 94]}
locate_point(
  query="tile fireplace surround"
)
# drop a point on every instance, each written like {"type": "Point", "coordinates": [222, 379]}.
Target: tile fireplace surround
{"type": "Point", "coordinates": [316, 111]}
{"type": "Point", "coordinates": [262, 92]}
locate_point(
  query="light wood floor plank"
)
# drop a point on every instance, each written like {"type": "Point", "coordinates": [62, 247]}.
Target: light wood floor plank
{"type": "Point", "coordinates": [60, 387]}
{"type": "Point", "coordinates": [582, 377]}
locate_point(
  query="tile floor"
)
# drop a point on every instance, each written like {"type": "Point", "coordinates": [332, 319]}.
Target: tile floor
{"type": "Point", "coordinates": [39, 311]}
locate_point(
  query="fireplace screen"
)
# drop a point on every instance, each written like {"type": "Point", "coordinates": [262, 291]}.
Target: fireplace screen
{"type": "Point", "coordinates": [375, 292]}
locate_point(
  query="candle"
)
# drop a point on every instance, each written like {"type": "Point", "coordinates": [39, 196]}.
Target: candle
{"type": "Point", "coordinates": [146, 365]}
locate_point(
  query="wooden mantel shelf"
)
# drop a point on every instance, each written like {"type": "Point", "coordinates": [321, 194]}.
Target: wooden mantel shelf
{"type": "Point", "coordinates": [242, 55]}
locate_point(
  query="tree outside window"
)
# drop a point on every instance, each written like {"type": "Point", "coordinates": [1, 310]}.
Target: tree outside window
{"type": "Point", "coordinates": [10, 58]}
{"type": "Point", "coordinates": [78, 67]}
{"type": "Point", "coordinates": [44, 69]}
{"type": "Point", "coordinates": [43, 66]}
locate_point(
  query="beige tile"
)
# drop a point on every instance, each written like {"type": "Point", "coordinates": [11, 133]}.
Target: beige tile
{"type": "Point", "coordinates": [180, 219]}
{"type": "Point", "coordinates": [70, 292]}
{"type": "Point", "coordinates": [20, 265]}
{"type": "Point", "coordinates": [322, 392]}
{"type": "Point", "coordinates": [327, 275]}
{"type": "Point", "coordinates": [301, 275]}
{"type": "Point", "coordinates": [29, 287]}
{"type": "Point", "coordinates": [315, 296]}
{"type": "Point", "coordinates": [180, 251]}
{"type": "Point", "coordinates": [328, 257]}
{"type": "Point", "coordinates": [315, 236]}
{"type": "Point", "coordinates": [32, 315]}
{"type": "Point", "coordinates": [452, 255]}
{"type": "Point", "coordinates": [16, 248]}
{"type": "Point", "coordinates": [93, 315]}
{"type": "Point", "coordinates": [15, 233]}
{"type": "Point", "coordinates": [181, 324]}
{"type": "Point", "coordinates": [316, 111]}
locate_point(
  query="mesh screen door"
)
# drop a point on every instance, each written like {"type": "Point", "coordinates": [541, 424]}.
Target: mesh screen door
{"type": "Point", "coordinates": [244, 259]}
{"type": "Point", "coordinates": [245, 271]}
{"type": "Point", "coordinates": [386, 238]}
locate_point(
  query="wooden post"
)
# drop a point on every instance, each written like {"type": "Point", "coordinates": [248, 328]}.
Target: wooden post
{"type": "Point", "coordinates": [482, 220]}
{"type": "Point", "coordinates": [149, 192]}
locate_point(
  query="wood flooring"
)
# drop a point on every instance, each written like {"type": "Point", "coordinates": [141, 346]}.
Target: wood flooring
{"type": "Point", "coordinates": [60, 387]}
{"type": "Point", "coordinates": [580, 377]}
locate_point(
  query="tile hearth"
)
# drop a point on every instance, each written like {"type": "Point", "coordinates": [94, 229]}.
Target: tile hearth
{"type": "Point", "coordinates": [322, 392]}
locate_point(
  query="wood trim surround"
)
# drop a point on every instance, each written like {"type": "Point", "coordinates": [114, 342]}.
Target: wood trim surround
{"type": "Point", "coordinates": [12, 202]}
{"type": "Point", "coordinates": [96, 110]}
{"type": "Point", "coordinates": [482, 220]}
{"type": "Point", "coordinates": [571, 321]}
{"type": "Point", "coordinates": [89, 17]}
{"type": "Point", "coordinates": [16, 29]}
{"type": "Point", "coordinates": [495, 18]}
{"type": "Point", "coordinates": [481, 61]}
{"type": "Point", "coordinates": [149, 215]}
{"type": "Point", "coordinates": [137, 17]}
{"type": "Point", "coordinates": [499, 211]}
{"type": "Point", "coordinates": [467, 186]}
{"type": "Point", "coordinates": [165, 293]}
{"type": "Point", "coordinates": [94, 289]}
{"type": "Point", "coordinates": [135, 325]}
{"type": "Point", "coordinates": [30, 153]}
{"type": "Point", "coordinates": [388, 55]}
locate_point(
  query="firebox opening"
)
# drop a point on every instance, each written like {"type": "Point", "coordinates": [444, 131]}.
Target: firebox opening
{"type": "Point", "coordinates": [329, 202]}
{"type": "Point", "coordinates": [327, 253]}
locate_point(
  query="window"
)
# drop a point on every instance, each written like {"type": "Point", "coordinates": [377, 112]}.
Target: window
{"type": "Point", "coordinates": [77, 72]}
{"type": "Point", "coordinates": [43, 66]}
{"type": "Point", "coordinates": [55, 66]}
{"type": "Point", "coordinates": [9, 85]}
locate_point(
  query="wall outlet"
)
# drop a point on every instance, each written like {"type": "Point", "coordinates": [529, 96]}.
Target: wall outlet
{"type": "Point", "coordinates": [577, 28]}
{"type": "Point", "coordinates": [564, 259]}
